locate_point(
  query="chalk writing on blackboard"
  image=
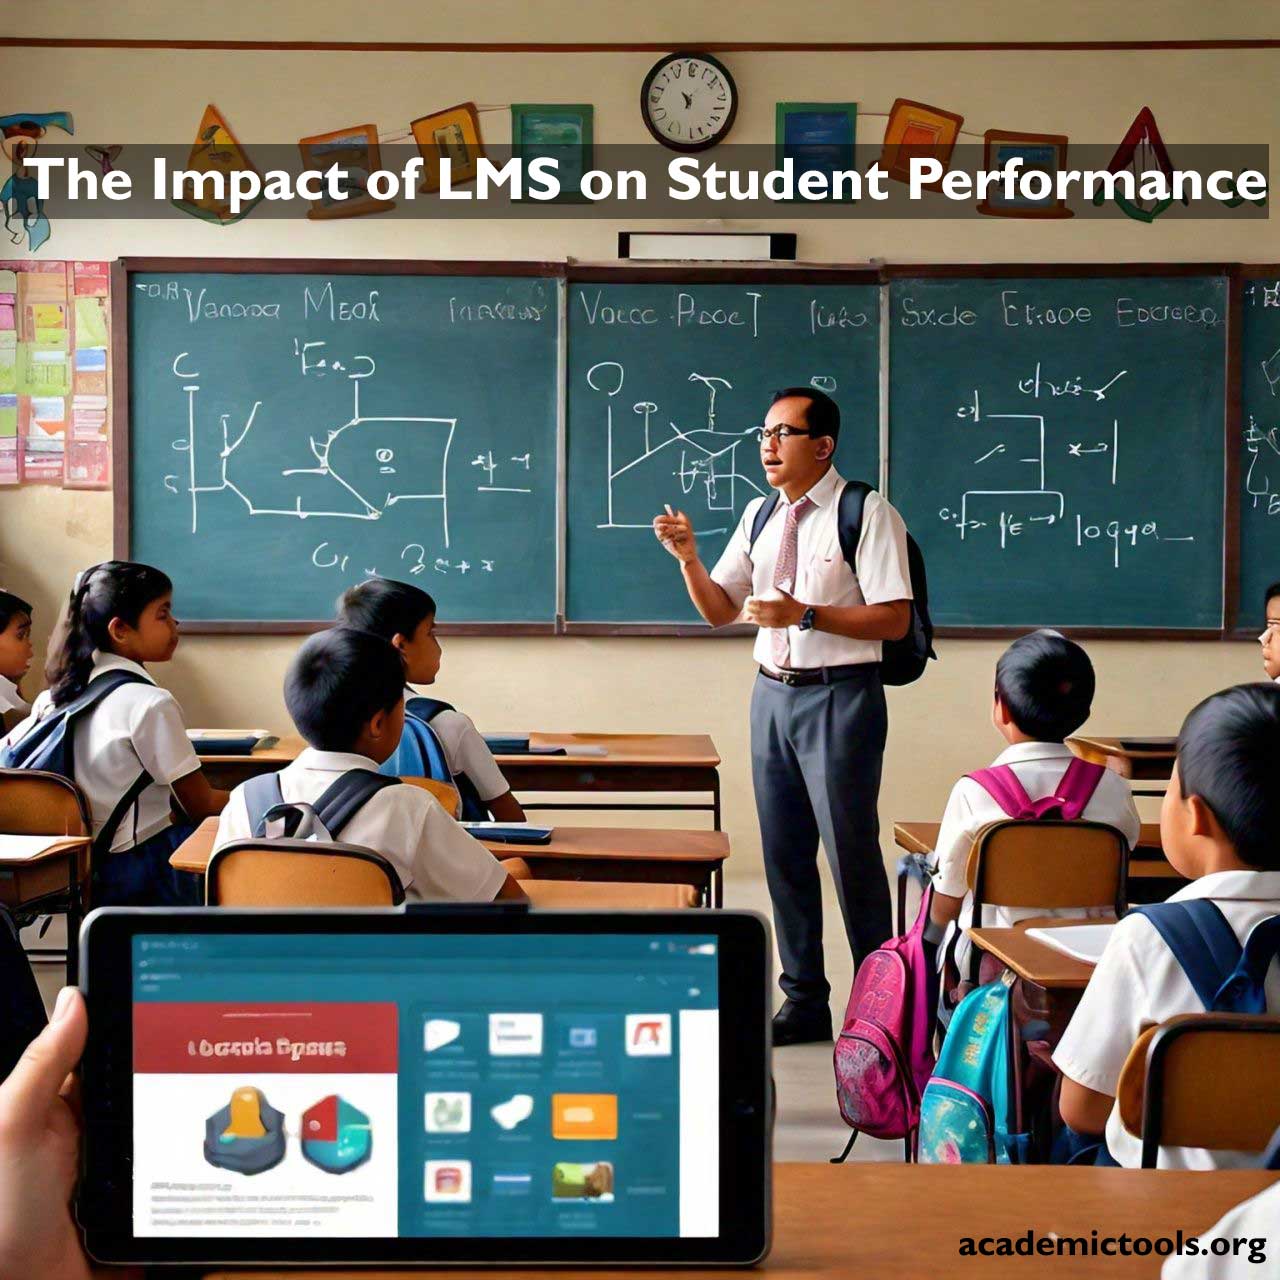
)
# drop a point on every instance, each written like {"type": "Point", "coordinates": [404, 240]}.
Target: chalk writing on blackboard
{"type": "Point", "coordinates": [1014, 464]}
{"type": "Point", "coordinates": [704, 458]}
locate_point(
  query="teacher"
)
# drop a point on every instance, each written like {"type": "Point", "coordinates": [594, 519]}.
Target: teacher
{"type": "Point", "coordinates": [818, 718]}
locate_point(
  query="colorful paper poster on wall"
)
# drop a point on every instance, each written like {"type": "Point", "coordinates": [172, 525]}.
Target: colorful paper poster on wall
{"type": "Point", "coordinates": [88, 464]}
{"type": "Point", "coordinates": [91, 279]}
{"type": "Point", "coordinates": [215, 150]}
{"type": "Point", "coordinates": [23, 210]}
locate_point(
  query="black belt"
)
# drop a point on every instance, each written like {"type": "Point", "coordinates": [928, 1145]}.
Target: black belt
{"type": "Point", "coordinates": [821, 675]}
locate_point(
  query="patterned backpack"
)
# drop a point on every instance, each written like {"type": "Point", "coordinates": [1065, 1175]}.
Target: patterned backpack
{"type": "Point", "coordinates": [884, 1053]}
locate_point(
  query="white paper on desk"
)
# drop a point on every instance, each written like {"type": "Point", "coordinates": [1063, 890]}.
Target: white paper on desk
{"type": "Point", "coordinates": [227, 733]}
{"type": "Point", "coordinates": [26, 848]}
{"type": "Point", "coordinates": [1084, 942]}
{"type": "Point", "coordinates": [588, 749]}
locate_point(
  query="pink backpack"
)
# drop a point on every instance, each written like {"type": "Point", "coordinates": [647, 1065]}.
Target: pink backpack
{"type": "Point", "coordinates": [884, 1053]}
{"type": "Point", "coordinates": [1074, 791]}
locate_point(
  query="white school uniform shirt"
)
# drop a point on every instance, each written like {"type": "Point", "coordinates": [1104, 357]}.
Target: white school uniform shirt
{"type": "Point", "coordinates": [136, 727]}
{"type": "Point", "coordinates": [432, 854]}
{"type": "Point", "coordinates": [1138, 983]}
{"type": "Point", "coordinates": [466, 752]}
{"type": "Point", "coordinates": [1257, 1219]}
{"type": "Point", "coordinates": [10, 698]}
{"type": "Point", "coordinates": [823, 575]}
{"type": "Point", "coordinates": [1039, 766]}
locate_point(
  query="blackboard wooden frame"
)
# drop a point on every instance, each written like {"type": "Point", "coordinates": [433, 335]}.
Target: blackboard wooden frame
{"type": "Point", "coordinates": [1230, 420]}
{"type": "Point", "coordinates": [1235, 274]}
{"type": "Point", "coordinates": [122, 512]}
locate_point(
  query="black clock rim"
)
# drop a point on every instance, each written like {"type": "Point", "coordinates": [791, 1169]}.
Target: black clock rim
{"type": "Point", "coordinates": [688, 147]}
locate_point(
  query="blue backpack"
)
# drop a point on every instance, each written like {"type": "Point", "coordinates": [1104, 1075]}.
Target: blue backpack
{"type": "Point", "coordinates": [321, 820]}
{"type": "Point", "coordinates": [420, 755]}
{"type": "Point", "coordinates": [1227, 977]}
{"type": "Point", "coordinates": [967, 1108]}
{"type": "Point", "coordinates": [49, 745]}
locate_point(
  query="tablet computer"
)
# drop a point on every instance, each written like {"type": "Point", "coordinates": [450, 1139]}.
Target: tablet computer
{"type": "Point", "coordinates": [426, 1085]}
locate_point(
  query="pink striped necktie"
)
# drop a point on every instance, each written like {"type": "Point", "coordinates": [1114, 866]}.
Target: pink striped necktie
{"type": "Point", "coordinates": [784, 575]}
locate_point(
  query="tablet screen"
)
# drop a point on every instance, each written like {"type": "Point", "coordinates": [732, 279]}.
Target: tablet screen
{"type": "Point", "coordinates": [448, 1085]}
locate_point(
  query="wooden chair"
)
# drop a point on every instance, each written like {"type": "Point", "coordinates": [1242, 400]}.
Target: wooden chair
{"type": "Point", "coordinates": [448, 795]}
{"type": "Point", "coordinates": [300, 873]}
{"type": "Point", "coordinates": [1046, 864]}
{"type": "Point", "coordinates": [36, 803]}
{"type": "Point", "coordinates": [1203, 1080]}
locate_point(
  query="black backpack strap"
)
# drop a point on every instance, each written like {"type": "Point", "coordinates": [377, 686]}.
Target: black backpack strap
{"type": "Point", "coordinates": [426, 709]}
{"type": "Point", "coordinates": [853, 498]}
{"type": "Point", "coordinates": [343, 799]}
{"type": "Point", "coordinates": [763, 512]}
{"type": "Point", "coordinates": [88, 698]}
{"type": "Point", "coordinates": [261, 794]}
{"type": "Point", "coordinates": [107, 833]}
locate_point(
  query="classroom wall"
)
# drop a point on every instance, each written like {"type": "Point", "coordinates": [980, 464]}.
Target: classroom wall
{"type": "Point", "coordinates": [939, 727]}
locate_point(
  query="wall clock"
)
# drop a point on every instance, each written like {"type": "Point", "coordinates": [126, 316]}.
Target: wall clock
{"type": "Point", "coordinates": [688, 101]}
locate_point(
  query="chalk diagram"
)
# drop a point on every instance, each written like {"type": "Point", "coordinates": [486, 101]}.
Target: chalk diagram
{"type": "Point", "coordinates": [1020, 501]}
{"type": "Point", "coordinates": [357, 464]}
{"type": "Point", "coordinates": [703, 459]}
{"type": "Point", "coordinates": [1257, 479]}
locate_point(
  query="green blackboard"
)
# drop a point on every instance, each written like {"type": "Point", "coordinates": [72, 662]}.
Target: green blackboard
{"type": "Point", "coordinates": [666, 384]}
{"type": "Point", "coordinates": [1056, 447]}
{"type": "Point", "coordinates": [292, 433]}
{"type": "Point", "coordinates": [1260, 445]}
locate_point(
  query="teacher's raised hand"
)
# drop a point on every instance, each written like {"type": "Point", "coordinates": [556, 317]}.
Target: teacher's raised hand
{"type": "Point", "coordinates": [675, 531]}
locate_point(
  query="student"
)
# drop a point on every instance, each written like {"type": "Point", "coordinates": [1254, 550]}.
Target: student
{"type": "Point", "coordinates": [1220, 827]}
{"type": "Point", "coordinates": [345, 693]}
{"type": "Point", "coordinates": [406, 616]}
{"type": "Point", "coordinates": [1270, 637]}
{"type": "Point", "coordinates": [15, 652]}
{"type": "Point", "coordinates": [118, 618]}
{"type": "Point", "coordinates": [1044, 689]}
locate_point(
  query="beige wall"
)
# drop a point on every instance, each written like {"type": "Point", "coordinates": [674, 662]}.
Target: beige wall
{"type": "Point", "coordinates": [939, 726]}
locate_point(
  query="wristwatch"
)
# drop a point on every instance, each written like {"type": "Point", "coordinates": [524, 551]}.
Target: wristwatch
{"type": "Point", "coordinates": [807, 621]}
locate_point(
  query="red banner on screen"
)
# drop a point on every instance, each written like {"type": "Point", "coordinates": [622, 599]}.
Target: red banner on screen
{"type": "Point", "coordinates": [292, 1038]}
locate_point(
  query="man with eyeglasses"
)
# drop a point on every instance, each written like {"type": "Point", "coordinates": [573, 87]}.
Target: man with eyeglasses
{"type": "Point", "coordinates": [818, 719]}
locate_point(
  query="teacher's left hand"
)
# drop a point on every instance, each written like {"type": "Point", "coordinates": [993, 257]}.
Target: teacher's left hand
{"type": "Point", "coordinates": [777, 609]}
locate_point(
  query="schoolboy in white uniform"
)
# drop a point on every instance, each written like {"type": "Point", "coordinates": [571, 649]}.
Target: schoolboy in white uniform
{"type": "Point", "coordinates": [1219, 826]}
{"type": "Point", "coordinates": [1044, 690]}
{"type": "Point", "coordinates": [15, 652]}
{"type": "Point", "coordinates": [1270, 637]}
{"type": "Point", "coordinates": [344, 693]}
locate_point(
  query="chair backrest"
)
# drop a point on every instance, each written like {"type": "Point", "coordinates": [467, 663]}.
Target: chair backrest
{"type": "Point", "coordinates": [300, 873]}
{"type": "Point", "coordinates": [35, 803]}
{"type": "Point", "coordinates": [1203, 1080]}
{"type": "Point", "coordinates": [448, 795]}
{"type": "Point", "coordinates": [1048, 864]}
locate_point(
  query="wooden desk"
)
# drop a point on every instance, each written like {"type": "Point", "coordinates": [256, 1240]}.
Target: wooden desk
{"type": "Point", "coordinates": [1033, 960]}
{"type": "Point", "coordinates": [1146, 862]}
{"type": "Point", "coordinates": [62, 868]}
{"type": "Point", "coordinates": [855, 1219]}
{"type": "Point", "coordinates": [582, 866]}
{"type": "Point", "coordinates": [686, 763]}
{"type": "Point", "coordinates": [636, 762]}
{"type": "Point", "coordinates": [1150, 763]}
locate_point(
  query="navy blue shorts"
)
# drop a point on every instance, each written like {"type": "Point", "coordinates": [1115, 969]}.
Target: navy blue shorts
{"type": "Point", "coordinates": [142, 876]}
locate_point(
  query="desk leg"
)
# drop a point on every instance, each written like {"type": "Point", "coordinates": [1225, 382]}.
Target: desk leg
{"type": "Point", "coordinates": [717, 886]}
{"type": "Point", "coordinates": [74, 909]}
{"type": "Point", "coordinates": [715, 800]}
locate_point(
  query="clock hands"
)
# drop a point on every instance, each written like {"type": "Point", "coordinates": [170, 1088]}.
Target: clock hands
{"type": "Point", "coordinates": [688, 99]}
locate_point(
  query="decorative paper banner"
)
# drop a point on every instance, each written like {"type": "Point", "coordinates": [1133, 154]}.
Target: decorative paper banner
{"type": "Point", "coordinates": [356, 151]}
{"type": "Point", "coordinates": [214, 150]}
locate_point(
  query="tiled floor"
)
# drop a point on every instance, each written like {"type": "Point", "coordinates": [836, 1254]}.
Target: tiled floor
{"type": "Point", "coordinates": [808, 1125]}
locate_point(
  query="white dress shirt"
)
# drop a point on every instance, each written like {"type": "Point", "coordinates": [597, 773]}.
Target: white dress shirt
{"type": "Point", "coordinates": [434, 857]}
{"type": "Point", "coordinates": [1138, 983]}
{"type": "Point", "coordinates": [823, 575]}
{"type": "Point", "coordinates": [466, 752]}
{"type": "Point", "coordinates": [1039, 766]}
{"type": "Point", "coordinates": [1257, 1221]}
{"type": "Point", "coordinates": [10, 698]}
{"type": "Point", "coordinates": [136, 727]}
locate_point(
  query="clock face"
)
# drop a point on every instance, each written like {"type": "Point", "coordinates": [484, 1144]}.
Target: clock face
{"type": "Point", "coordinates": [689, 101]}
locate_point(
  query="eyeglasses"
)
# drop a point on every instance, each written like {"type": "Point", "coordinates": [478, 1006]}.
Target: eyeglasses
{"type": "Point", "coordinates": [780, 433]}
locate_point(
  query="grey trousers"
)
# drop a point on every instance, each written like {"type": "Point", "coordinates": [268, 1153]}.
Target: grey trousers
{"type": "Point", "coordinates": [816, 757]}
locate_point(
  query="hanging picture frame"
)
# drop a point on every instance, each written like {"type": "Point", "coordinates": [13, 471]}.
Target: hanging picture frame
{"type": "Point", "coordinates": [562, 131]}
{"type": "Point", "coordinates": [452, 134]}
{"type": "Point", "coordinates": [357, 153]}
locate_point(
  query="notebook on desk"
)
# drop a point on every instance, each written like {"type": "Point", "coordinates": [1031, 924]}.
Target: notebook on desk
{"type": "Point", "coordinates": [27, 848]}
{"type": "Point", "coordinates": [229, 742]}
{"type": "Point", "coordinates": [518, 744]}
{"type": "Point", "coordinates": [510, 832]}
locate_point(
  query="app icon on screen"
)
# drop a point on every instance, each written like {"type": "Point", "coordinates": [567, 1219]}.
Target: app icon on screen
{"type": "Point", "coordinates": [584, 1115]}
{"type": "Point", "coordinates": [448, 1112]}
{"type": "Point", "coordinates": [513, 1111]}
{"type": "Point", "coordinates": [512, 1183]}
{"type": "Point", "coordinates": [571, 1181]}
{"type": "Point", "coordinates": [515, 1034]}
{"type": "Point", "coordinates": [447, 1182]}
{"type": "Point", "coordinates": [336, 1136]}
{"type": "Point", "coordinates": [583, 1037]}
{"type": "Point", "coordinates": [648, 1035]}
{"type": "Point", "coordinates": [439, 1032]}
